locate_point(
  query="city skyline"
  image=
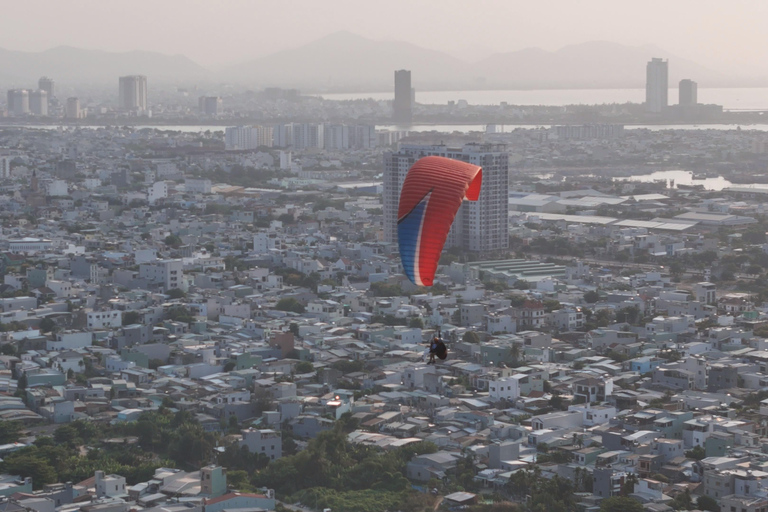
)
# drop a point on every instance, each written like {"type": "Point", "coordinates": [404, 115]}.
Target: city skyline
{"type": "Point", "coordinates": [692, 30]}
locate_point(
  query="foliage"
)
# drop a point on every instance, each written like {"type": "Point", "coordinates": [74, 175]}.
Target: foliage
{"type": "Point", "coordinates": [10, 431]}
{"type": "Point", "coordinates": [289, 304]}
{"type": "Point", "coordinates": [591, 297]}
{"type": "Point", "coordinates": [332, 473]}
{"type": "Point", "coordinates": [416, 323]}
{"type": "Point", "coordinates": [707, 503]}
{"type": "Point", "coordinates": [304, 367]}
{"type": "Point", "coordinates": [471, 337]}
{"type": "Point", "coordinates": [131, 317]}
{"type": "Point", "coordinates": [382, 289]}
{"type": "Point", "coordinates": [176, 293]}
{"type": "Point", "coordinates": [173, 241]}
{"type": "Point", "coordinates": [620, 504]}
{"type": "Point", "coordinates": [697, 453]}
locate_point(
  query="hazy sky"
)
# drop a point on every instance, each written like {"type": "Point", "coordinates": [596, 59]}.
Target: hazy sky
{"type": "Point", "coordinates": [715, 33]}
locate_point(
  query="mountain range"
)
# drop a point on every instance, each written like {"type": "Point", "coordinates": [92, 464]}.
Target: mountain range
{"type": "Point", "coordinates": [348, 62]}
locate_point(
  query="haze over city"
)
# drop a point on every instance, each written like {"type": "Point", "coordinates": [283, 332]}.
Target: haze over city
{"type": "Point", "coordinates": [383, 256]}
{"type": "Point", "coordinates": [725, 39]}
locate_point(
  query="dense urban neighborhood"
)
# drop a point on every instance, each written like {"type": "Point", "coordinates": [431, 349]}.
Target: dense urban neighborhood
{"type": "Point", "coordinates": [216, 318]}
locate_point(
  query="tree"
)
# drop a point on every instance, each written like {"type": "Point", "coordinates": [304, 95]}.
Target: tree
{"type": "Point", "coordinates": [697, 453]}
{"type": "Point", "coordinates": [591, 297]}
{"type": "Point", "coordinates": [416, 323]}
{"type": "Point", "coordinates": [471, 337]}
{"type": "Point", "coordinates": [176, 293]}
{"type": "Point", "coordinates": [229, 366]}
{"type": "Point", "coordinates": [173, 241]}
{"type": "Point", "coordinates": [47, 324]}
{"type": "Point", "coordinates": [620, 504]}
{"type": "Point", "coordinates": [294, 328]}
{"type": "Point", "coordinates": [10, 431]}
{"type": "Point", "coordinates": [131, 317]}
{"type": "Point", "coordinates": [304, 367]}
{"type": "Point", "coordinates": [289, 304]}
{"type": "Point", "coordinates": [707, 503]}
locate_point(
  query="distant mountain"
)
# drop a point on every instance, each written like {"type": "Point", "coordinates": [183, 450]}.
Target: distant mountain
{"type": "Point", "coordinates": [67, 64]}
{"type": "Point", "coordinates": [594, 64]}
{"type": "Point", "coordinates": [345, 61]}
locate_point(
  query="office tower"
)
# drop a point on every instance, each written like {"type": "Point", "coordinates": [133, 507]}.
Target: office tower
{"type": "Point", "coordinates": [656, 85]}
{"type": "Point", "coordinates": [480, 226]}
{"type": "Point", "coordinates": [210, 105]}
{"type": "Point", "coordinates": [688, 92]}
{"type": "Point", "coordinates": [38, 102]}
{"type": "Point", "coordinates": [133, 92]}
{"type": "Point", "coordinates": [72, 110]}
{"type": "Point", "coordinates": [402, 107]}
{"type": "Point", "coordinates": [48, 85]}
{"type": "Point", "coordinates": [18, 102]}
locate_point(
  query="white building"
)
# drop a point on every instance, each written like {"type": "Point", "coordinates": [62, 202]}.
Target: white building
{"type": "Point", "coordinates": [268, 442]}
{"type": "Point", "coordinates": [264, 242]}
{"type": "Point", "coordinates": [58, 188]}
{"type": "Point", "coordinates": [481, 225]}
{"type": "Point", "coordinates": [169, 273]}
{"type": "Point", "coordinates": [62, 289]}
{"type": "Point", "coordinates": [104, 319]}
{"type": "Point", "coordinates": [248, 137]}
{"type": "Point", "coordinates": [195, 186]}
{"type": "Point", "coordinates": [29, 244]}
{"type": "Point", "coordinates": [159, 190]}
{"type": "Point", "coordinates": [5, 167]}
{"type": "Point", "coordinates": [109, 485]}
{"type": "Point", "coordinates": [656, 85]}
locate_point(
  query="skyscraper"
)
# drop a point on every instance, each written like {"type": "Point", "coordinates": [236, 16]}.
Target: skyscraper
{"type": "Point", "coordinates": [656, 86]}
{"type": "Point", "coordinates": [48, 85]}
{"type": "Point", "coordinates": [133, 92]}
{"type": "Point", "coordinates": [688, 90]}
{"type": "Point", "coordinates": [402, 107]}
{"type": "Point", "coordinates": [480, 226]}
{"type": "Point", "coordinates": [73, 109]}
{"type": "Point", "coordinates": [18, 102]}
{"type": "Point", "coordinates": [210, 105]}
{"type": "Point", "coordinates": [38, 102]}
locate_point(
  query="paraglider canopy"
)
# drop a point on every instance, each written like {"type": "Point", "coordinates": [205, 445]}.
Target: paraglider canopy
{"type": "Point", "coordinates": [432, 193]}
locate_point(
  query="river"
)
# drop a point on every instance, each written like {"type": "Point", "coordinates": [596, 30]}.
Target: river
{"type": "Point", "coordinates": [732, 98]}
{"type": "Point", "coordinates": [445, 128]}
{"type": "Point", "coordinates": [687, 178]}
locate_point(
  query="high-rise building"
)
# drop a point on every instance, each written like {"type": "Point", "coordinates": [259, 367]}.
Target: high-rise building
{"type": "Point", "coordinates": [18, 102]}
{"type": "Point", "coordinates": [688, 92]}
{"type": "Point", "coordinates": [247, 137]}
{"type": "Point", "coordinates": [72, 110]}
{"type": "Point", "coordinates": [299, 135]}
{"type": "Point", "coordinates": [480, 226]}
{"type": "Point", "coordinates": [402, 107]}
{"type": "Point", "coordinates": [656, 86]}
{"type": "Point", "coordinates": [133, 92]}
{"type": "Point", "coordinates": [210, 105]}
{"type": "Point", "coordinates": [38, 102]}
{"type": "Point", "coordinates": [48, 85]}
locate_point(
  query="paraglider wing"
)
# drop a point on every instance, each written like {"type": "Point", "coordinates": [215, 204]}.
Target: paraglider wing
{"type": "Point", "coordinates": [432, 193]}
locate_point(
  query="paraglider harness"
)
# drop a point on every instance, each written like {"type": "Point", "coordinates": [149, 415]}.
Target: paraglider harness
{"type": "Point", "coordinates": [437, 348]}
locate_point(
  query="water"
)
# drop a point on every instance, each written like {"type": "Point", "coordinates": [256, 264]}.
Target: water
{"type": "Point", "coordinates": [445, 128]}
{"type": "Point", "coordinates": [687, 178]}
{"type": "Point", "coordinates": [732, 98]}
